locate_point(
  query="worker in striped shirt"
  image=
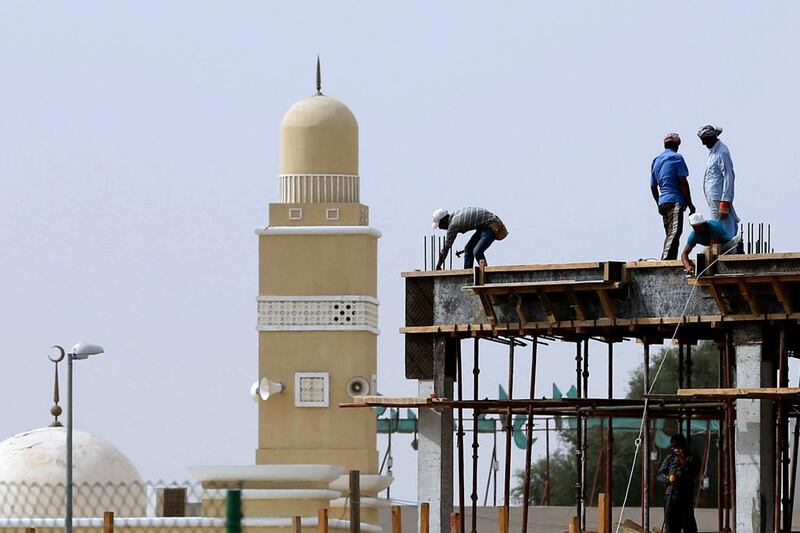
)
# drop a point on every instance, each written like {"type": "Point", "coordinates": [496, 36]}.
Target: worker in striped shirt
{"type": "Point", "coordinates": [487, 226]}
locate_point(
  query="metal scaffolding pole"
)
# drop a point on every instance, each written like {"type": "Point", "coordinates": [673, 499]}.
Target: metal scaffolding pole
{"type": "Point", "coordinates": [646, 444]}
{"type": "Point", "coordinates": [526, 497]}
{"type": "Point", "coordinates": [509, 422]}
{"type": "Point", "coordinates": [475, 414]}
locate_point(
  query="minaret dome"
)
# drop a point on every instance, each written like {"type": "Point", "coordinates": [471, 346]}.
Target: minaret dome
{"type": "Point", "coordinates": [319, 136]}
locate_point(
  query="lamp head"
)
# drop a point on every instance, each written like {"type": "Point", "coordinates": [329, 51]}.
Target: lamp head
{"type": "Point", "coordinates": [83, 350]}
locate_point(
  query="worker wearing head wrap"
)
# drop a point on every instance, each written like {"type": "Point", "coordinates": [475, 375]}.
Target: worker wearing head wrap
{"type": "Point", "coordinates": [487, 226]}
{"type": "Point", "coordinates": [670, 190]}
{"type": "Point", "coordinates": [678, 471]}
{"type": "Point", "coordinates": [707, 232]}
{"type": "Point", "coordinates": [719, 178]}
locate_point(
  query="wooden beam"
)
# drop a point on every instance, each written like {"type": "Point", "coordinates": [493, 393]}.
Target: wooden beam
{"type": "Point", "coordinates": [548, 307]}
{"type": "Point", "coordinates": [580, 312]}
{"type": "Point", "coordinates": [715, 292]}
{"type": "Point", "coordinates": [521, 312]}
{"type": "Point", "coordinates": [734, 392]}
{"type": "Point", "coordinates": [780, 293]}
{"type": "Point", "coordinates": [605, 301]}
{"type": "Point", "coordinates": [751, 300]}
{"type": "Point", "coordinates": [488, 308]}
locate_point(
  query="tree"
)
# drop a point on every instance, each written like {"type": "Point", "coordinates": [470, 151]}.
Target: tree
{"type": "Point", "coordinates": [563, 469]}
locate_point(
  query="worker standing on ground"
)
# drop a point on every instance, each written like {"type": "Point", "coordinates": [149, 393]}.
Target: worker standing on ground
{"type": "Point", "coordinates": [670, 189]}
{"type": "Point", "coordinates": [487, 226]}
{"type": "Point", "coordinates": [706, 233]}
{"type": "Point", "coordinates": [719, 178]}
{"type": "Point", "coordinates": [679, 471]}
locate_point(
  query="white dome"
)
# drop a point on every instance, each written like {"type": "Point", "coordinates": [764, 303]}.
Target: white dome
{"type": "Point", "coordinates": [33, 475]}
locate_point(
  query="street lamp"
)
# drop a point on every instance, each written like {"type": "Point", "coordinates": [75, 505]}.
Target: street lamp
{"type": "Point", "coordinates": [80, 351]}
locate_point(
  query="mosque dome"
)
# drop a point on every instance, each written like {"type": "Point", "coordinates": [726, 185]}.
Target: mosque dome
{"type": "Point", "coordinates": [319, 135]}
{"type": "Point", "coordinates": [33, 474]}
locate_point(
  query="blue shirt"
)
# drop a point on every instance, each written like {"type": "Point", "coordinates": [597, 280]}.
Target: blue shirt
{"type": "Point", "coordinates": [664, 172]}
{"type": "Point", "coordinates": [715, 231]}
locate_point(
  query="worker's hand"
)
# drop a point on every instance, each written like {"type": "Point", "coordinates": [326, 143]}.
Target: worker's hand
{"type": "Point", "coordinates": [672, 479]}
{"type": "Point", "coordinates": [689, 268]}
{"type": "Point", "coordinates": [692, 209]}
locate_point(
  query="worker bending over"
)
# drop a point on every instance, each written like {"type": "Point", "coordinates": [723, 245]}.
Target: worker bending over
{"type": "Point", "coordinates": [718, 179]}
{"type": "Point", "coordinates": [670, 189]}
{"type": "Point", "coordinates": [678, 472]}
{"type": "Point", "coordinates": [706, 233]}
{"type": "Point", "coordinates": [488, 228]}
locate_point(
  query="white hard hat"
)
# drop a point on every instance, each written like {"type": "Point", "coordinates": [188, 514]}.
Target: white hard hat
{"type": "Point", "coordinates": [438, 215]}
{"type": "Point", "coordinates": [696, 219]}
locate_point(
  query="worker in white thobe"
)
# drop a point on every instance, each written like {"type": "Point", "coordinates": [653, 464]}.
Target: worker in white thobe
{"type": "Point", "coordinates": [719, 179]}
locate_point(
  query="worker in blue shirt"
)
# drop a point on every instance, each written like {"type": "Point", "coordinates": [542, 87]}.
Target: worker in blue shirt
{"type": "Point", "coordinates": [670, 190]}
{"type": "Point", "coordinates": [705, 232]}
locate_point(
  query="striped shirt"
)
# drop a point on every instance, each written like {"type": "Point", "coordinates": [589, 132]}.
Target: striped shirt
{"type": "Point", "coordinates": [464, 220]}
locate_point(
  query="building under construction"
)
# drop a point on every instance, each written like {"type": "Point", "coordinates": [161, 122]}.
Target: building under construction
{"type": "Point", "coordinates": [745, 304]}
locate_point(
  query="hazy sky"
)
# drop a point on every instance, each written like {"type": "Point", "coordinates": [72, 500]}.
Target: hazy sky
{"type": "Point", "coordinates": [138, 152]}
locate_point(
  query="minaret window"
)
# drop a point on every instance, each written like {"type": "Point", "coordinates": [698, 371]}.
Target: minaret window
{"type": "Point", "coordinates": [296, 213]}
{"type": "Point", "coordinates": [332, 213]}
{"type": "Point", "coordinates": [311, 389]}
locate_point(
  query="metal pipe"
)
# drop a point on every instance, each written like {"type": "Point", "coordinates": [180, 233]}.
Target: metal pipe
{"type": "Point", "coordinates": [425, 251]}
{"type": "Point", "coordinates": [584, 432]}
{"type": "Point", "coordinates": [720, 492]}
{"type": "Point", "coordinates": [547, 459]}
{"type": "Point", "coordinates": [610, 439]}
{"type": "Point", "coordinates": [784, 427]}
{"type": "Point", "coordinates": [689, 365]}
{"type": "Point", "coordinates": [68, 517]}
{"type": "Point", "coordinates": [507, 477]}
{"type": "Point", "coordinates": [579, 442]}
{"type": "Point", "coordinates": [526, 489]}
{"type": "Point", "coordinates": [646, 453]}
{"type": "Point", "coordinates": [475, 373]}
{"type": "Point", "coordinates": [460, 434]}
{"type": "Point", "coordinates": [793, 483]}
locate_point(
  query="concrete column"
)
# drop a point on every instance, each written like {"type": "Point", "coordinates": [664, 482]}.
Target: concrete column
{"type": "Point", "coordinates": [755, 435]}
{"type": "Point", "coordinates": [435, 444]}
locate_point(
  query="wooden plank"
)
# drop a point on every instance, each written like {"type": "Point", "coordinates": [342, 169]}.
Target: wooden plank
{"type": "Point", "coordinates": [322, 521]}
{"type": "Point", "coordinates": [712, 288]}
{"type": "Point", "coordinates": [390, 400]}
{"type": "Point", "coordinates": [455, 523]}
{"type": "Point", "coordinates": [751, 300]}
{"type": "Point", "coordinates": [771, 391]}
{"type": "Point", "coordinates": [574, 525]}
{"type": "Point", "coordinates": [297, 526]}
{"type": "Point", "coordinates": [424, 517]}
{"type": "Point", "coordinates": [550, 286]}
{"type": "Point", "coordinates": [397, 519]}
{"type": "Point", "coordinates": [744, 258]}
{"type": "Point", "coordinates": [545, 266]}
{"type": "Point", "coordinates": [750, 278]}
{"type": "Point", "coordinates": [654, 264]}
{"type": "Point", "coordinates": [603, 513]}
{"type": "Point", "coordinates": [436, 273]}
{"type": "Point", "coordinates": [502, 520]}
{"type": "Point", "coordinates": [783, 298]}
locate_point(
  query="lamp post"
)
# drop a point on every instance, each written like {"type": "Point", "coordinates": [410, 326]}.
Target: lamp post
{"type": "Point", "coordinates": [80, 351]}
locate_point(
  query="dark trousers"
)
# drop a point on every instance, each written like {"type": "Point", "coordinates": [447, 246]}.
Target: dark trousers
{"type": "Point", "coordinates": [679, 515]}
{"type": "Point", "coordinates": [672, 215]}
{"type": "Point", "coordinates": [477, 244]}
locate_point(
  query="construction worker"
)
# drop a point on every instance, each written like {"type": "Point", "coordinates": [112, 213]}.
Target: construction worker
{"type": "Point", "coordinates": [678, 472]}
{"type": "Point", "coordinates": [719, 178]}
{"type": "Point", "coordinates": [706, 233]}
{"type": "Point", "coordinates": [670, 189]}
{"type": "Point", "coordinates": [487, 226]}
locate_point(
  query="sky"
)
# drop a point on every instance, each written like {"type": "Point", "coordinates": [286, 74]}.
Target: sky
{"type": "Point", "coordinates": [139, 151]}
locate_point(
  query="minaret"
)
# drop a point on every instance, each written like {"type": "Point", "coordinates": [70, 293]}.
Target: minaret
{"type": "Point", "coordinates": [317, 306]}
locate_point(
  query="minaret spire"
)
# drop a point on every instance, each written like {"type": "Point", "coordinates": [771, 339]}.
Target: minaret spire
{"type": "Point", "coordinates": [319, 78]}
{"type": "Point", "coordinates": [56, 409]}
